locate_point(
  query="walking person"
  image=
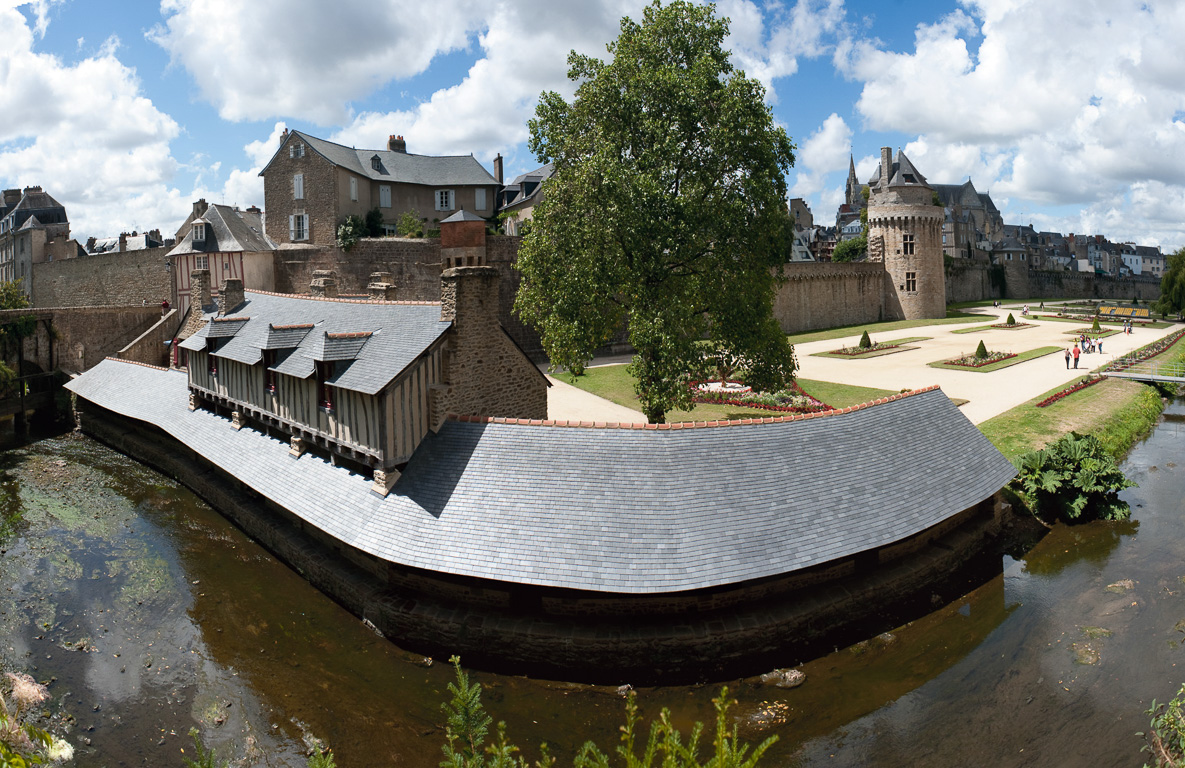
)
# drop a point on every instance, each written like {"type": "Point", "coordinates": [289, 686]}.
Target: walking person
{"type": "Point", "coordinates": [1067, 358]}
{"type": "Point", "coordinates": [1076, 353]}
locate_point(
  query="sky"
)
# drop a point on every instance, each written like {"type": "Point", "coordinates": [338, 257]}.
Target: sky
{"type": "Point", "coordinates": [1070, 113]}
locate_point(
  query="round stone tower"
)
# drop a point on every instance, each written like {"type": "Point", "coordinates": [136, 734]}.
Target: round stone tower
{"type": "Point", "coordinates": [905, 232]}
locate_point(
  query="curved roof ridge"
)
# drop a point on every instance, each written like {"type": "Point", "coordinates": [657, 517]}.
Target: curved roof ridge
{"type": "Point", "coordinates": [340, 300]}
{"type": "Point", "coordinates": [681, 425]}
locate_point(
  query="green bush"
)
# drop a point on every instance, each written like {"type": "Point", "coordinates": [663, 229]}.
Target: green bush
{"type": "Point", "coordinates": [468, 726]}
{"type": "Point", "coordinates": [374, 223]}
{"type": "Point", "coordinates": [850, 250]}
{"type": "Point", "coordinates": [1074, 480]}
{"type": "Point", "coordinates": [981, 352]}
{"type": "Point", "coordinates": [409, 224]}
{"type": "Point", "coordinates": [350, 231]}
{"type": "Point", "coordinates": [1011, 320]}
{"type": "Point", "coordinates": [1165, 739]}
{"type": "Point", "coordinates": [865, 342]}
{"type": "Point", "coordinates": [1095, 325]}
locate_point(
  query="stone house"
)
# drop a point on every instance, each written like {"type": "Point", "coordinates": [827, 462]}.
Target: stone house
{"type": "Point", "coordinates": [231, 244]}
{"type": "Point", "coordinates": [519, 198]}
{"type": "Point", "coordinates": [971, 218]}
{"type": "Point", "coordinates": [312, 185]}
{"type": "Point", "coordinates": [34, 229]}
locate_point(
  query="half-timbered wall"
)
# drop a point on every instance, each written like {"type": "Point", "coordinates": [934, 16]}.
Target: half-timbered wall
{"type": "Point", "coordinates": [408, 417]}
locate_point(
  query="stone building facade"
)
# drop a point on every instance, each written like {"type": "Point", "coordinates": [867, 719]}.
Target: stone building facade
{"type": "Point", "coordinates": [905, 234]}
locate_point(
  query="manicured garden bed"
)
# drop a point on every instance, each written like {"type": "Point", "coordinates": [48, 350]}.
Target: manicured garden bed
{"type": "Point", "coordinates": [1089, 381]}
{"type": "Point", "coordinates": [1012, 359]}
{"type": "Point", "coordinates": [1146, 352]}
{"type": "Point", "coordinates": [876, 350]}
{"type": "Point", "coordinates": [996, 327]}
{"type": "Point", "coordinates": [792, 399]}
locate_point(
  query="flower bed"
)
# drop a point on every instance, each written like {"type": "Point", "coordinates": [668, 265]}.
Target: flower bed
{"type": "Point", "coordinates": [1011, 327]}
{"type": "Point", "coordinates": [971, 361]}
{"type": "Point", "coordinates": [1088, 382]}
{"type": "Point", "coordinates": [792, 399]}
{"type": "Point", "coordinates": [857, 351]}
{"type": "Point", "coordinates": [1146, 353]}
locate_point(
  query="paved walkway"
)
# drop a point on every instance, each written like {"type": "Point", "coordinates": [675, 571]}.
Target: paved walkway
{"type": "Point", "coordinates": [988, 394]}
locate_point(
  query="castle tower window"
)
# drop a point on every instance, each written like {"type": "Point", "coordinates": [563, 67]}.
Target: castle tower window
{"type": "Point", "coordinates": [911, 281]}
{"type": "Point", "coordinates": [907, 243]}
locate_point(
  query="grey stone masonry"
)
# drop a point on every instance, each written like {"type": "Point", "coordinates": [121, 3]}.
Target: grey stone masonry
{"type": "Point", "coordinates": [380, 286]}
{"type": "Point", "coordinates": [485, 373]}
{"type": "Point", "coordinates": [324, 284]}
{"type": "Point", "coordinates": [230, 296]}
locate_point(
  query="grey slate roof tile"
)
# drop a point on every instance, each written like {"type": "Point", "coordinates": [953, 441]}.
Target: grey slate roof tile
{"type": "Point", "coordinates": [559, 507]}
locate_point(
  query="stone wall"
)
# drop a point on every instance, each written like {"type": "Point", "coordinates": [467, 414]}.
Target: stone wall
{"type": "Point", "coordinates": [149, 347]}
{"type": "Point", "coordinates": [826, 295]}
{"type": "Point", "coordinates": [104, 280]}
{"type": "Point", "coordinates": [485, 374]}
{"type": "Point", "coordinates": [967, 281]}
{"type": "Point", "coordinates": [82, 336]}
{"type": "Point", "coordinates": [320, 194]}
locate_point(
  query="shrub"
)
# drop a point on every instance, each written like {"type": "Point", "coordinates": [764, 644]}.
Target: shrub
{"type": "Point", "coordinates": [981, 352]}
{"type": "Point", "coordinates": [409, 224]}
{"type": "Point", "coordinates": [1073, 479]}
{"type": "Point", "coordinates": [1095, 325]}
{"type": "Point", "coordinates": [374, 223]}
{"type": "Point", "coordinates": [1011, 320]}
{"type": "Point", "coordinates": [1165, 739]}
{"type": "Point", "coordinates": [865, 342]}
{"type": "Point", "coordinates": [352, 229]}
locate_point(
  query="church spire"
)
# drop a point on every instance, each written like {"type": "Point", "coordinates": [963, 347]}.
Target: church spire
{"type": "Point", "coordinates": [854, 198]}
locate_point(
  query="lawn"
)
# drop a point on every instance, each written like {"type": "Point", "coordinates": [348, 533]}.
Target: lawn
{"type": "Point", "coordinates": [1020, 358]}
{"type": "Point", "coordinates": [879, 328]}
{"type": "Point", "coordinates": [1104, 321]}
{"type": "Point", "coordinates": [613, 382]}
{"type": "Point", "coordinates": [993, 328]}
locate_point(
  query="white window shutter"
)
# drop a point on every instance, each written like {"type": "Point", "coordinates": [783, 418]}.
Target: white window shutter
{"type": "Point", "coordinates": [479, 198]}
{"type": "Point", "coordinates": [298, 186]}
{"type": "Point", "coordinates": [291, 227]}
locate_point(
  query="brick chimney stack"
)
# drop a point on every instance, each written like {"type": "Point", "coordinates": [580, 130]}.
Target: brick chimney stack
{"type": "Point", "coordinates": [498, 167]}
{"type": "Point", "coordinates": [396, 144]}
{"type": "Point", "coordinates": [230, 296]}
{"type": "Point", "coordinates": [324, 284]}
{"type": "Point", "coordinates": [199, 287]}
{"type": "Point", "coordinates": [123, 242]}
{"type": "Point", "coordinates": [199, 208]}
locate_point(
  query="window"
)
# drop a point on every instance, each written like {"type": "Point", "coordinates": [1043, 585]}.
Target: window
{"type": "Point", "coordinates": [269, 376]}
{"type": "Point", "coordinates": [212, 364]}
{"type": "Point", "coordinates": [201, 262]}
{"type": "Point", "coordinates": [298, 226]}
{"type": "Point", "coordinates": [354, 189]}
{"type": "Point", "coordinates": [199, 231]}
{"type": "Point", "coordinates": [324, 393]}
{"type": "Point", "coordinates": [384, 196]}
{"type": "Point", "coordinates": [479, 199]}
{"type": "Point", "coordinates": [296, 149]}
{"type": "Point", "coordinates": [444, 199]}
{"type": "Point", "coordinates": [907, 244]}
{"type": "Point", "coordinates": [298, 186]}
{"type": "Point", "coordinates": [911, 281]}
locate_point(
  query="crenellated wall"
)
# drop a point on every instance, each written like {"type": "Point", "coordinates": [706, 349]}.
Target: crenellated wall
{"type": "Point", "coordinates": [816, 295]}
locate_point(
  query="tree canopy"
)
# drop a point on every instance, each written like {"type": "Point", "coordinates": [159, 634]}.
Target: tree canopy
{"type": "Point", "coordinates": [666, 213]}
{"type": "Point", "coordinates": [1172, 285]}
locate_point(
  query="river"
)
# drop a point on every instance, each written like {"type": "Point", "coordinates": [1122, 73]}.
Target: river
{"type": "Point", "coordinates": [148, 614]}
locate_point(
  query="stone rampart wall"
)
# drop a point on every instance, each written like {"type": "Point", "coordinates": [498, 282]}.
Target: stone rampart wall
{"type": "Point", "coordinates": [82, 336]}
{"type": "Point", "coordinates": [826, 295]}
{"type": "Point", "coordinates": [104, 280]}
{"type": "Point", "coordinates": [966, 281]}
{"type": "Point", "coordinates": [149, 347]}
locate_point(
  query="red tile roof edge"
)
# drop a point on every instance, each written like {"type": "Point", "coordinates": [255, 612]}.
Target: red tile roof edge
{"type": "Point", "coordinates": [137, 362]}
{"type": "Point", "coordinates": [685, 424]}
{"type": "Point", "coordinates": [343, 300]}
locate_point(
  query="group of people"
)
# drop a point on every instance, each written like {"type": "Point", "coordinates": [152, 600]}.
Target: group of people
{"type": "Point", "coordinates": [1127, 326]}
{"type": "Point", "coordinates": [1085, 345]}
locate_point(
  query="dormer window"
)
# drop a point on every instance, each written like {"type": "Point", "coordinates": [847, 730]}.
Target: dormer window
{"type": "Point", "coordinates": [199, 231]}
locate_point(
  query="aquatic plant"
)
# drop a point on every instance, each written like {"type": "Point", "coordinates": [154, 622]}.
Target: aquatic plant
{"type": "Point", "coordinates": [468, 725]}
{"type": "Point", "coordinates": [1073, 479]}
{"type": "Point", "coordinates": [22, 743]}
{"type": "Point", "coordinates": [1165, 738]}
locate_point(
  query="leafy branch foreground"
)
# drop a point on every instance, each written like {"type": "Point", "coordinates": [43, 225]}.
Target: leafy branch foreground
{"type": "Point", "coordinates": [1165, 739]}
{"type": "Point", "coordinates": [468, 726]}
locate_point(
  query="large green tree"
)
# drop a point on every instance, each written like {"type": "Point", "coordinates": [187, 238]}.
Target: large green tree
{"type": "Point", "coordinates": [666, 213]}
{"type": "Point", "coordinates": [1172, 285]}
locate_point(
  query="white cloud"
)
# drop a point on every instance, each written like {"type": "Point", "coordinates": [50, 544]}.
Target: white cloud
{"type": "Point", "coordinates": [828, 148]}
{"type": "Point", "coordinates": [307, 58]}
{"type": "Point", "coordinates": [84, 132]}
{"type": "Point", "coordinates": [1053, 103]}
{"type": "Point", "coordinates": [805, 31]}
{"type": "Point", "coordinates": [245, 188]}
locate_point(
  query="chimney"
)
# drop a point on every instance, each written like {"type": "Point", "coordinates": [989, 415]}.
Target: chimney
{"type": "Point", "coordinates": [253, 209]}
{"type": "Point", "coordinates": [886, 165]}
{"type": "Point", "coordinates": [199, 288]}
{"type": "Point", "coordinates": [284, 137]}
{"type": "Point", "coordinates": [498, 167]}
{"type": "Point", "coordinates": [90, 244]}
{"type": "Point", "coordinates": [396, 144]}
{"type": "Point", "coordinates": [380, 286]}
{"type": "Point", "coordinates": [123, 242]}
{"type": "Point", "coordinates": [154, 234]}
{"type": "Point", "coordinates": [199, 208]}
{"type": "Point", "coordinates": [469, 297]}
{"type": "Point", "coordinates": [230, 296]}
{"type": "Point", "coordinates": [324, 284]}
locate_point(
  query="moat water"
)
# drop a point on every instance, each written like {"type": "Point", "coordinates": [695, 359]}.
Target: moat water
{"type": "Point", "coordinates": [148, 614]}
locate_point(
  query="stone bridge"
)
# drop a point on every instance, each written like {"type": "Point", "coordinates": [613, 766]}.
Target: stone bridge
{"type": "Point", "coordinates": [71, 340]}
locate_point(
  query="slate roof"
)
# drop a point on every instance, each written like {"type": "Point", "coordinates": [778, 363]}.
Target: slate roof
{"type": "Point", "coordinates": [635, 511]}
{"type": "Point", "coordinates": [397, 166]}
{"type": "Point", "coordinates": [227, 231]}
{"type": "Point", "coordinates": [901, 174]}
{"type": "Point", "coordinates": [526, 186]}
{"type": "Point", "coordinates": [398, 333]}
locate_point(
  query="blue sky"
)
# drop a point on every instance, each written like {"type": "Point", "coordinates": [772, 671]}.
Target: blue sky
{"type": "Point", "coordinates": [1071, 113]}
